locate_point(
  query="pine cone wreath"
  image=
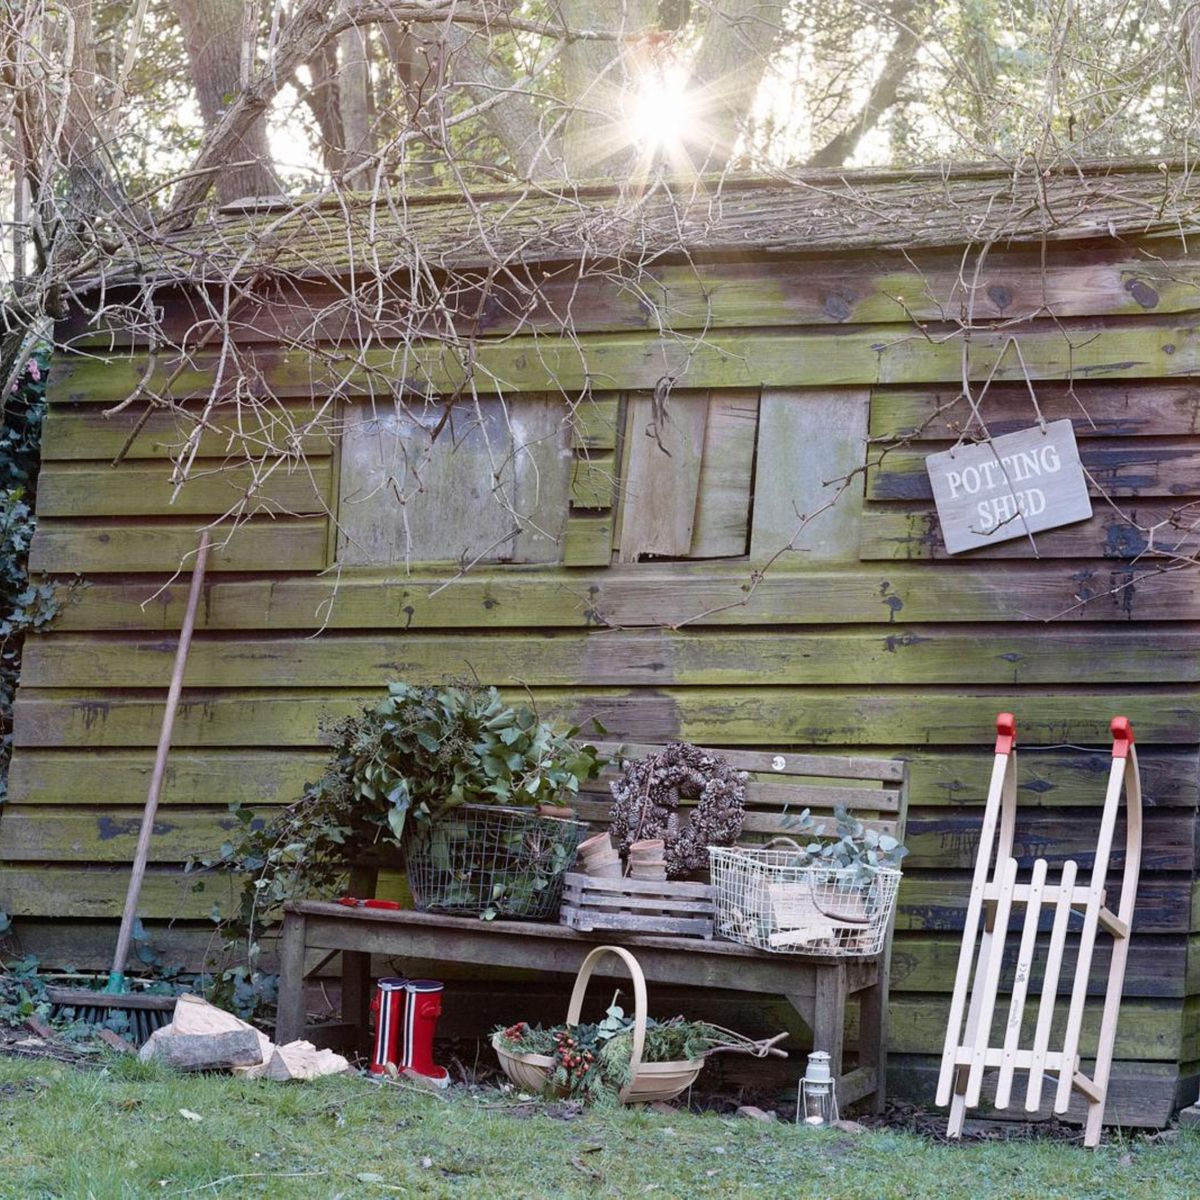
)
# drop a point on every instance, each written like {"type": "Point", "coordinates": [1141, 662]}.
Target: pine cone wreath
{"type": "Point", "coordinates": [648, 796]}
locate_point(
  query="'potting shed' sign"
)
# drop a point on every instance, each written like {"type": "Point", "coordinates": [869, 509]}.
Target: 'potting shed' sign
{"type": "Point", "coordinates": [1013, 485]}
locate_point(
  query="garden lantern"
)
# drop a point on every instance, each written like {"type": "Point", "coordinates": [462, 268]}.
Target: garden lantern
{"type": "Point", "coordinates": [817, 1095]}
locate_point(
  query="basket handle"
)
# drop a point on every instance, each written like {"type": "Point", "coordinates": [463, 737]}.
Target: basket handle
{"type": "Point", "coordinates": [639, 1001]}
{"type": "Point", "coordinates": [795, 845]}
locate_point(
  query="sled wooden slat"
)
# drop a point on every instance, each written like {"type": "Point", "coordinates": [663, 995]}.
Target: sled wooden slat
{"type": "Point", "coordinates": [1016, 1005]}
{"type": "Point", "coordinates": [1054, 957]}
{"type": "Point", "coordinates": [968, 1052]}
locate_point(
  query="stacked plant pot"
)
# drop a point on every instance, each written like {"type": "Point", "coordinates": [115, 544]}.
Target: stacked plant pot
{"type": "Point", "coordinates": [599, 858]}
{"type": "Point", "coordinates": [646, 859]}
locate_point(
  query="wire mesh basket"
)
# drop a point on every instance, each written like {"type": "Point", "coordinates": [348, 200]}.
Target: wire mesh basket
{"type": "Point", "coordinates": [491, 861]}
{"type": "Point", "coordinates": [775, 900]}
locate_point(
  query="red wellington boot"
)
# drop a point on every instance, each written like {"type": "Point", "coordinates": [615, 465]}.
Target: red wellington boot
{"type": "Point", "coordinates": [390, 1008]}
{"type": "Point", "coordinates": [420, 1024]}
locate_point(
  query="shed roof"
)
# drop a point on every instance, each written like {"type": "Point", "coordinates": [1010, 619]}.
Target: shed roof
{"type": "Point", "coordinates": [795, 213]}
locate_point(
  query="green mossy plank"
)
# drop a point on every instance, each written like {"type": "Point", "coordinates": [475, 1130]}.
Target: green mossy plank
{"type": "Point", "coordinates": [37, 833]}
{"type": "Point", "coordinates": [137, 489]}
{"type": "Point", "coordinates": [1157, 965]}
{"type": "Point", "coordinates": [593, 481]}
{"type": "Point", "coordinates": [88, 892]}
{"type": "Point", "coordinates": [1149, 348]}
{"type": "Point", "coordinates": [999, 654]}
{"type": "Point", "coordinates": [1142, 1095]}
{"type": "Point", "coordinates": [594, 421]}
{"type": "Point", "coordinates": [1096, 409]}
{"type": "Point", "coordinates": [75, 834]}
{"type": "Point", "coordinates": [283, 544]}
{"type": "Point", "coordinates": [936, 777]}
{"type": "Point", "coordinates": [697, 594]}
{"type": "Point", "coordinates": [116, 777]}
{"type": "Point", "coordinates": [588, 543]}
{"type": "Point", "coordinates": [1154, 1030]}
{"type": "Point", "coordinates": [1134, 529]}
{"type": "Point", "coordinates": [255, 777]}
{"type": "Point", "coordinates": [937, 901]}
{"type": "Point", "coordinates": [745, 716]}
{"type": "Point", "coordinates": [1116, 468]}
{"type": "Point", "coordinates": [88, 945]}
{"type": "Point", "coordinates": [238, 430]}
{"type": "Point", "coordinates": [1096, 280]}
{"type": "Point", "coordinates": [948, 839]}
{"type": "Point", "coordinates": [1048, 778]}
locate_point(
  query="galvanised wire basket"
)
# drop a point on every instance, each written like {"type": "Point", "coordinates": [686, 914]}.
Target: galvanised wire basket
{"type": "Point", "coordinates": [773, 899]}
{"type": "Point", "coordinates": [492, 861]}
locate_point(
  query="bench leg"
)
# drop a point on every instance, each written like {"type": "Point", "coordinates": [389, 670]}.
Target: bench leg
{"type": "Point", "coordinates": [290, 1013]}
{"type": "Point", "coordinates": [829, 1015]}
{"type": "Point", "coordinates": [873, 1035]}
{"type": "Point", "coordinates": [356, 993]}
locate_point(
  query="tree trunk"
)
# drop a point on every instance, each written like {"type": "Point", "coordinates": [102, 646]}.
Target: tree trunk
{"type": "Point", "coordinates": [354, 102]}
{"type": "Point", "coordinates": [324, 103]}
{"type": "Point", "coordinates": [90, 186]}
{"type": "Point", "coordinates": [213, 35]}
{"type": "Point", "coordinates": [430, 59]}
{"type": "Point", "coordinates": [596, 81]}
{"type": "Point", "coordinates": [910, 18]}
{"type": "Point", "coordinates": [727, 70]}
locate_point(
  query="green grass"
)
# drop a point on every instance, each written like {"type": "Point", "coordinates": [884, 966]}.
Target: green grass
{"type": "Point", "coordinates": [118, 1132]}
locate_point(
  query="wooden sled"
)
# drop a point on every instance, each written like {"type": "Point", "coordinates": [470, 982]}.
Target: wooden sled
{"type": "Point", "coordinates": [968, 1054]}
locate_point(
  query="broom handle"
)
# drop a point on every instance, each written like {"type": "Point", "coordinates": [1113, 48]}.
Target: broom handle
{"type": "Point", "coordinates": [160, 762]}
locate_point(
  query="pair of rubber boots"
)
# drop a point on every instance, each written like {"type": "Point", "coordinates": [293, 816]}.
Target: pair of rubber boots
{"type": "Point", "coordinates": [406, 1015]}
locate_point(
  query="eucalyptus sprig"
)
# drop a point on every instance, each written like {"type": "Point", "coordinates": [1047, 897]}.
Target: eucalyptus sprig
{"type": "Point", "coordinates": [856, 847]}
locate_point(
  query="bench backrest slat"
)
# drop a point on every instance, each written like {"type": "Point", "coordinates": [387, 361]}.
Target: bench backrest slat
{"type": "Point", "coordinates": [780, 787]}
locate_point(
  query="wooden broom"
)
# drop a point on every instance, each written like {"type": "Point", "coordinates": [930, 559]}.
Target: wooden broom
{"type": "Point", "coordinates": [139, 1014]}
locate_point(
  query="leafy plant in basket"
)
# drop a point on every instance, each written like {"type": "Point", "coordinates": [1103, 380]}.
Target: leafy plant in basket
{"type": "Point", "coordinates": [856, 849]}
{"type": "Point", "coordinates": [416, 770]}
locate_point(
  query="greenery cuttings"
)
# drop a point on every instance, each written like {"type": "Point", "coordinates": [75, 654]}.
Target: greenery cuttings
{"type": "Point", "coordinates": [649, 795]}
{"type": "Point", "coordinates": [856, 848]}
{"type": "Point", "coordinates": [592, 1062]}
{"type": "Point", "coordinates": [416, 756]}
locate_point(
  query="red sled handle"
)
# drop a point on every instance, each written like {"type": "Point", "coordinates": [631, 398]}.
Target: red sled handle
{"type": "Point", "coordinates": [1122, 733]}
{"type": "Point", "coordinates": [1006, 733]}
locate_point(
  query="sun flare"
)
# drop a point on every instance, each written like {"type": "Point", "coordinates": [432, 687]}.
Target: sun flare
{"type": "Point", "coordinates": [661, 111]}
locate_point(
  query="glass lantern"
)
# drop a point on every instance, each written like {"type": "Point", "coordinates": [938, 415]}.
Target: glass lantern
{"type": "Point", "coordinates": [816, 1097]}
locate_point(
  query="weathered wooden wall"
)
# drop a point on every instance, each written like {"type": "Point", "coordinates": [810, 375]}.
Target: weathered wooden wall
{"type": "Point", "coordinates": [864, 636]}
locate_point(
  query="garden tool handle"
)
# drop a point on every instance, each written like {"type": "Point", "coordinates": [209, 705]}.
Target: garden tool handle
{"type": "Point", "coordinates": [129, 916]}
{"type": "Point", "coordinates": [639, 1002]}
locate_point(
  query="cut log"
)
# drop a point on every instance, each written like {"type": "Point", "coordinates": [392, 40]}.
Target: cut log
{"type": "Point", "coordinates": [204, 1051]}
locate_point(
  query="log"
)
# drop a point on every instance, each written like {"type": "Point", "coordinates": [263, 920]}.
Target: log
{"type": "Point", "coordinates": [206, 1051]}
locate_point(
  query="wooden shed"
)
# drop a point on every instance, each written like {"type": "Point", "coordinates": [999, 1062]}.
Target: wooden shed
{"type": "Point", "coordinates": [713, 406]}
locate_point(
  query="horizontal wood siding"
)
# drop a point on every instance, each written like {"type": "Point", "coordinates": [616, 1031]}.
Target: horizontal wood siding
{"type": "Point", "coordinates": [864, 637]}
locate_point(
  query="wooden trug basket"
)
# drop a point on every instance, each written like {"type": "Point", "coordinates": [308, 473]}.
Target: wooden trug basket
{"type": "Point", "coordinates": [650, 1081]}
{"type": "Point", "coordinates": [637, 905]}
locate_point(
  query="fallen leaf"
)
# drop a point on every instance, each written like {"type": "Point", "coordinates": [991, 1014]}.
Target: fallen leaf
{"type": "Point", "coordinates": [579, 1165]}
{"type": "Point", "coordinates": [368, 1177]}
{"type": "Point", "coordinates": [188, 1115]}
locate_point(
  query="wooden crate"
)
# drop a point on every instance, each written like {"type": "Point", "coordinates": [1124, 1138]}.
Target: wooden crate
{"type": "Point", "coordinates": [637, 905]}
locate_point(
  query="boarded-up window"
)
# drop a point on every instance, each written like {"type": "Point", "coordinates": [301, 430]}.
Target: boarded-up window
{"type": "Point", "coordinates": [486, 482]}
{"type": "Point", "coordinates": [687, 486]}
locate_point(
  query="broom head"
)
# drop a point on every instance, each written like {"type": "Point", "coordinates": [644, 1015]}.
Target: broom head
{"type": "Point", "coordinates": [134, 1015]}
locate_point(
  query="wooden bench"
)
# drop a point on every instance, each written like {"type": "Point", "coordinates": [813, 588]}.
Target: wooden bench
{"type": "Point", "coordinates": [780, 787]}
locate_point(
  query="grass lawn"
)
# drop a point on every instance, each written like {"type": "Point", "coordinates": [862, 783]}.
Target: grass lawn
{"type": "Point", "coordinates": [118, 1132]}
